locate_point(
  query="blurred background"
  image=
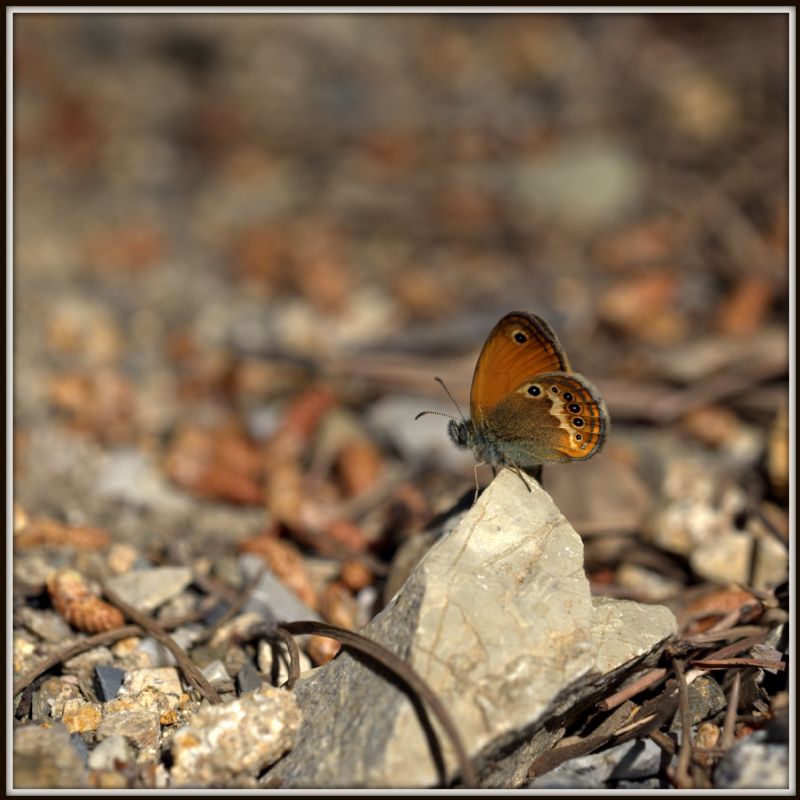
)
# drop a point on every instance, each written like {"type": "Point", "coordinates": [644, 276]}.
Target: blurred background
{"type": "Point", "coordinates": [245, 245]}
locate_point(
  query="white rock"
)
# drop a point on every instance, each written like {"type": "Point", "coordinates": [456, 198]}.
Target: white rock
{"type": "Point", "coordinates": [230, 743]}
{"type": "Point", "coordinates": [497, 617]}
{"type": "Point", "coordinates": [147, 589]}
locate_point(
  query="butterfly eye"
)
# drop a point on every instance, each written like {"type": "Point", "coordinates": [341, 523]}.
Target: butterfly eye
{"type": "Point", "coordinates": [567, 396]}
{"type": "Point", "coordinates": [574, 408]}
{"type": "Point", "coordinates": [520, 338]}
{"type": "Point", "coordinates": [534, 391]}
{"type": "Point", "coordinates": [577, 422]}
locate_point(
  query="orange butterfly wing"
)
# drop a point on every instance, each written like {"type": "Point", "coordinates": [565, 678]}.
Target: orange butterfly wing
{"type": "Point", "coordinates": [520, 346]}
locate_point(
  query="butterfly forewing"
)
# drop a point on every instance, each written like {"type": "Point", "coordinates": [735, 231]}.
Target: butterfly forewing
{"type": "Point", "coordinates": [520, 345]}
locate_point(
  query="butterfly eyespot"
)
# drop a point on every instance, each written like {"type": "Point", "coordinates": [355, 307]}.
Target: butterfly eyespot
{"type": "Point", "coordinates": [577, 422]}
{"type": "Point", "coordinates": [574, 408]}
{"type": "Point", "coordinates": [554, 389]}
{"type": "Point", "coordinates": [520, 338]}
{"type": "Point", "coordinates": [534, 391]}
{"type": "Point", "coordinates": [578, 436]}
{"type": "Point", "coordinates": [567, 396]}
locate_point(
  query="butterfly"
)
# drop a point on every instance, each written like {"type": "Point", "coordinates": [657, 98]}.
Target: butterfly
{"type": "Point", "coordinates": [527, 406]}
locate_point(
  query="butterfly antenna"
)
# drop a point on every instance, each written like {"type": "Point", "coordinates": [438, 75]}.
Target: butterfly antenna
{"type": "Point", "coordinates": [440, 381]}
{"type": "Point", "coordinates": [438, 414]}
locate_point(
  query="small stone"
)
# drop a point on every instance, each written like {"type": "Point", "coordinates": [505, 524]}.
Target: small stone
{"type": "Point", "coordinates": [108, 681]}
{"type": "Point", "coordinates": [706, 699]}
{"type": "Point", "coordinates": [45, 758]}
{"type": "Point", "coordinates": [107, 779]}
{"type": "Point", "coordinates": [242, 627]}
{"type": "Point", "coordinates": [147, 589]}
{"type": "Point", "coordinates": [725, 558]}
{"type": "Point", "coordinates": [230, 743]}
{"type": "Point", "coordinates": [270, 599]}
{"type": "Point", "coordinates": [24, 651]}
{"type": "Point", "coordinates": [47, 625]}
{"type": "Point", "coordinates": [125, 647]}
{"type": "Point", "coordinates": [111, 753]}
{"type": "Point", "coordinates": [121, 558]}
{"type": "Point", "coordinates": [649, 783]}
{"type": "Point", "coordinates": [159, 656]}
{"type": "Point", "coordinates": [163, 679]}
{"type": "Point", "coordinates": [248, 679]}
{"type": "Point", "coordinates": [83, 664]}
{"type": "Point", "coordinates": [634, 760]}
{"type": "Point", "coordinates": [80, 745]}
{"type": "Point", "coordinates": [754, 763]}
{"type": "Point", "coordinates": [140, 728]}
{"type": "Point", "coordinates": [51, 697]}
{"type": "Point", "coordinates": [80, 716]}
{"type": "Point", "coordinates": [218, 676]}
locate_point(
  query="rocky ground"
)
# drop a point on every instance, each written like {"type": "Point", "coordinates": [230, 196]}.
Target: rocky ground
{"type": "Point", "coordinates": [244, 245]}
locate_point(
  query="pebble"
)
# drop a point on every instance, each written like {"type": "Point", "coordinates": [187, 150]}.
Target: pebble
{"type": "Point", "coordinates": [754, 763]}
{"type": "Point", "coordinates": [706, 699]}
{"type": "Point", "coordinates": [230, 743]}
{"type": "Point", "coordinates": [218, 676]}
{"type": "Point", "coordinates": [270, 599]}
{"type": "Point", "coordinates": [110, 752]}
{"type": "Point", "coordinates": [248, 679]}
{"type": "Point", "coordinates": [159, 656]}
{"type": "Point", "coordinates": [631, 761]}
{"type": "Point", "coordinates": [147, 589]}
{"type": "Point", "coordinates": [80, 745]}
{"type": "Point", "coordinates": [46, 758]}
{"type": "Point", "coordinates": [51, 697]}
{"type": "Point", "coordinates": [108, 681]}
{"type": "Point", "coordinates": [140, 728]}
{"type": "Point", "coordinates": [84, 664]}
{"type": "Point", "coordinates": [80, 716]}
{"type": "Point", "coordinates": [162, 679]}
{"type": "Point", "coordinates": [47, 625]}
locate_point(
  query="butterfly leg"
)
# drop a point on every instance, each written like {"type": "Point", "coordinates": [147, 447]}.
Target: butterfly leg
{"type": "Point", "coordinates": [514, 468]}
{"type": "Point", "coordinates": [477, 485]}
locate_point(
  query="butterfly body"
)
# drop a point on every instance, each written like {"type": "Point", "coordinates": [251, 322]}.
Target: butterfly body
{"type": "Point", "coordinates": [527, 407]}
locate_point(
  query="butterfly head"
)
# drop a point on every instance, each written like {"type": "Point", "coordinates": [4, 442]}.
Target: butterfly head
{"type": "Point", "coordinates": [462, 433]}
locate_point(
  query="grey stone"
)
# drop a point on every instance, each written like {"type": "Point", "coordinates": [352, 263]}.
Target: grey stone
{"type": "Point", "coordinates": [108, 680]}
{"type": "Point", "coordinates": [129, 477]}
{"type": "Point", "coordinates": [584, 180]}
{"type": "Point", "coordinates": [147, 589]}
{"type": "Point", "coordinates": [110, 753]}
{"type": "Point", "coordinates": [140, 728]}
{"type": "Point", "coordinates": [754, 763]}
{"type": "Point", "coordinates": [642, 786]}
{"type": "Point", "coordinates": [218, 676]}
{"type": "Point", "coordinates": [80, 746]}
{"type": "Point", "coordinates": [46, 758]}
{"type": "Point", "coordinates": [498, 619]}
{"type": "Point", "coordinates": [634, 760]}
{"type": "Point", "coordinates": [46, 624]}
{"type": "Point", "coordinates": [248, 679]}
{"type": "Point", "coordinates": [270, 599]}
{"type": "Point", "coordinates": [83, 664]}
{"type": "Point", "coordinates": [49, 699]}
{"type": "Point", "coordinates": [706, 699]}
{"type": "Point", "coordinates": [230, 743]}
